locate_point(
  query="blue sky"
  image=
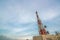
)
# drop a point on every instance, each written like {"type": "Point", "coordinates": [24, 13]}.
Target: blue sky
{"type": "Point", "coordinates": [17, 17]}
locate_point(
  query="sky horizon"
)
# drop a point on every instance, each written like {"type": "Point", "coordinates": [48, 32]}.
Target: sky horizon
{"type": "Point", "coordinates": [18, 18]}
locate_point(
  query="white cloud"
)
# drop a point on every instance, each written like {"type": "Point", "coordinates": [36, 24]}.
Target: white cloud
{"type": "Point", "coordinates": [49, 15]}
{"type": "Point", "coordinates": [16, 30]}
{"type": "Point", "coordinates": [18, 13]}
{"type": "Point", "coordinates": [26, 18]}
{"type": "Point", "coordinates": [23, 13]}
